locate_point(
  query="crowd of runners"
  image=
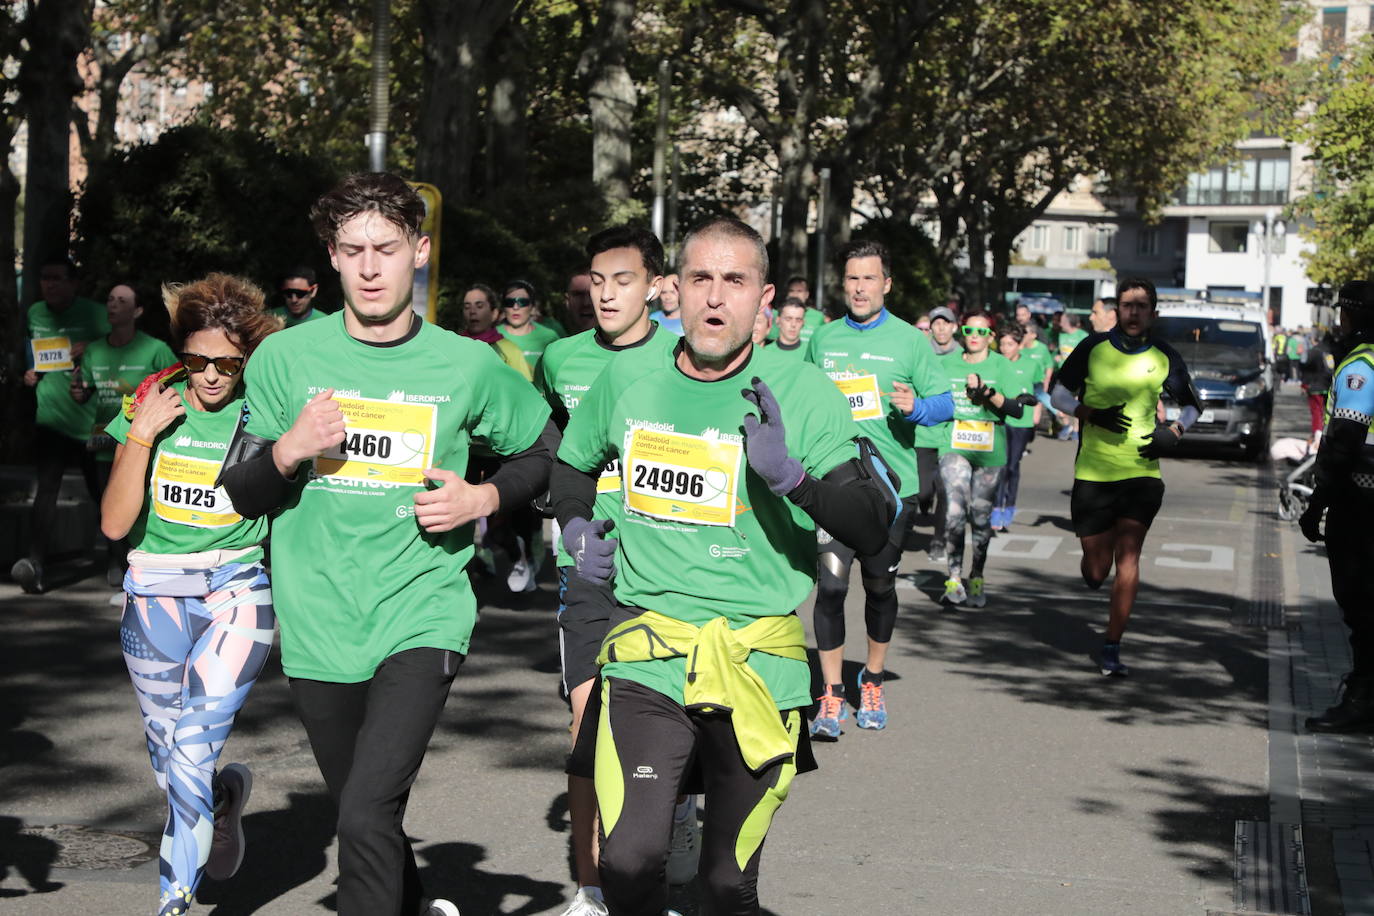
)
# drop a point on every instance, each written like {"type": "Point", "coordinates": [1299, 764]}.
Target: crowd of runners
{"type": "Point", "coordinates": [705, 448]}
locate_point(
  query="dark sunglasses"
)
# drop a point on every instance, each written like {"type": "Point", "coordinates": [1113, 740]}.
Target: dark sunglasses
{"type": "Point", "coordinates": [516, 302]}
{"type": "Point", "coordinates": [224, 365]}
{"type": "Point", "coordinates": [295, 293]}
{"type": "Point", "coordinates": [971, 331]}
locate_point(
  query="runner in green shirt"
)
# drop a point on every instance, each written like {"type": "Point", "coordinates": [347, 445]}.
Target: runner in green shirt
{"type": "Point", "coordinates": [1071, 335]}
{"type": "Point", "coordinates": [298, 290]}
{"type": "Point", "coordinates": [889, 377]}
{"type": "Point", "coordinates": [1026, 383]}
{"type": "Point", "coordinates": [930, 499]}
{"type": "Point", "coordinates": [730, 456]}
{"type": "Point", "coordinates": [790, 324]}
{"type": "Point", "coordinates": [59, 328]}
{"type": "Point", "coordinates": [365, 422]}
{"type": "Point", "coordinates": [626, 276]}
{"type": "Point", "coordinates": [518, 324]}
{"type": "Point", "coordinates": [1112, 382]}
{"type": "Point", "coordinates": [110, 370]}
{"type": "Point", "coordinates": [198, 620]}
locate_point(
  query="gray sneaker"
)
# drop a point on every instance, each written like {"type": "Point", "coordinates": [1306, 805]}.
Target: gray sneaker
{"type": "Point", "coordinates": [29, 574]}
{"type": "Point", "coordinates": [226, 849]}
{"type": "Point", "coordinates": [685, 851]}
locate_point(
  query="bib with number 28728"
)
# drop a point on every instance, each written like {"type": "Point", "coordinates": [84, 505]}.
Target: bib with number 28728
{"type": "Point", "coordinates": [682, 478]}
{"type": "Point", "coordinates": [863, 396]}
{"type": "Point", "coordinates": [52, 354]}
{"type": "Point", "coordinates": [184, 492]}
{"type": "Point", "coordinates": [384, 442]}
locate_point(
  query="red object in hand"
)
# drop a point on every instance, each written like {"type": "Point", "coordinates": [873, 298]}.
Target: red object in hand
{"type": "Point", "coordinates": [173, 373]}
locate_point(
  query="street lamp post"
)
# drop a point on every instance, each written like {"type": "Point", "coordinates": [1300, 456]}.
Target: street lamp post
{"type": "Point", "coordinates": [1269, 234]}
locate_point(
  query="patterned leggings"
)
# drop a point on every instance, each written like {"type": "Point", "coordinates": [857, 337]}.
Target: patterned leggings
{"type": "Point", "coordinates": [968, 498]}
{"type": "Point", "coordinates": [194, 640]}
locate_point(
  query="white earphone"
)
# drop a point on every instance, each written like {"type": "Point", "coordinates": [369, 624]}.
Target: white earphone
{"type": "Point", "coordinates": [649, 296]}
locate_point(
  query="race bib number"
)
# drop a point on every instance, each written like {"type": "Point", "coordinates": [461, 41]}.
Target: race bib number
{"type": "Point", "coordinates": [52, 354]}
{"type": "Point", "coordinates": [384, 442]}
{"type": "Point", "coordinates": [609, 481]}
{"type": "Point", "coordinates": [681, 478]}
{"type": "Point", "coordinates": [184, 492]}
{"type": "Point", "coordinates": [862, 392]}
{"type": "Point", "coordinates": [972, 435]}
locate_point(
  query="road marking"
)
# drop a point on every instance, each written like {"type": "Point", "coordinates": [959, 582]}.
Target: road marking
{"type": "Point", "coordinates": [1219, 558]}
{"type": "Point", "coordinates": [1025, 546]}
{"type": "Point", "coordinates": [930, 579]}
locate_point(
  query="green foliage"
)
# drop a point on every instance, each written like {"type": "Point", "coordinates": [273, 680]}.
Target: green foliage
{"type": "Point", "coordinates": [1340, 205]}
{"type": "Point", "coordinates": [199, 200]}
{"type": "Point", "coordinates": [920, 281]}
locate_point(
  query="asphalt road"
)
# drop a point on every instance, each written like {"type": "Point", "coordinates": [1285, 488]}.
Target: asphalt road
{"type": "Point", "coordinates": [1012, 778]}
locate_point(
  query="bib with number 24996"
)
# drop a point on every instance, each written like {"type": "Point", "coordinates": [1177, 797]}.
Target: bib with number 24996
{"type": "Point", "coordinates": [862, 392]}
{"type": "Point", "coordinates": [384, 441]}
{"type": "Point", "coordinates": [682, 478]}
{"type": "Point", "coordinates": [972, 435]}
{"type": "Point", "coordinates": [184, 492]}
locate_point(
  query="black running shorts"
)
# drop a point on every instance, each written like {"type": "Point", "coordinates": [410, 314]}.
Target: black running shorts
{"type": "Point", "coordinates": [584, 616]}
{"type": "Point", "coordinates": [1096, 505]}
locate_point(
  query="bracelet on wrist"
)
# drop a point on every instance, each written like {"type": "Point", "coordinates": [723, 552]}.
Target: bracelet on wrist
{"type": "Point", "coordinates": [136, 440]}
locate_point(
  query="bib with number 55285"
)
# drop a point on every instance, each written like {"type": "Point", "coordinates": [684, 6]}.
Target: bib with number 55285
{"type": "Point", "coordinates": [184, 492]}
{"type": "Point", "coordinates": [972, 435]}
{"type": "Point", "coordinates": [681, 478]}
{"type": "Point", "coordinates": [384, 442]}
{"type": "Point", "coordinates": [862, 392]}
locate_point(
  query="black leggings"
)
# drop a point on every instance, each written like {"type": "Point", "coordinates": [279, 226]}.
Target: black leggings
{"type": "Point", "coordinates": [369, 739]}
{"type": "Point", "coordinates": [1018, 437]}
{"type": "Point", "coordinates": [879, 574]}
{"type": "Point", "coordinates": [53, 453]}
{"type": "Point", "coordinates": [654, 744]}
{"type": "Point", "coordinates": [1350, 552]}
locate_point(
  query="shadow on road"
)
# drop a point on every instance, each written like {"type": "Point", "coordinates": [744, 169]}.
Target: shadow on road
{"type": "Point", "coordinates": [286, 848]}
{"type": "Point", "coordinates": [30, 856]}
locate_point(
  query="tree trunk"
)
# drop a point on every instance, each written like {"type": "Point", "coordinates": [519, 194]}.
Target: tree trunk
{"type": "Point", "coordinates": [975, 280]}
{"type": "Point", "coordinates": [457, 34]}
{"type": "Point", "coordinates": [57, 31]}
{"type": "Point", "coordinates": [12, 330]}
{"type": "Point", "coordinates": [507, 159]}
{"type": "Point", "coordinates": [796, 185]}
{"type": "Point", "coordinates": [612, 97]}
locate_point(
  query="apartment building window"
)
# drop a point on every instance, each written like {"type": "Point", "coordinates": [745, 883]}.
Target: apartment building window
{"type": "Point", "coordinates": [1333, 29]}
{"type": "Point", "coordinates": [1039, 237]}
{"type": "Point", "coordinates": [1147, 242]}
{"type": "Point", "coordinates": [1073, 238]}
{"type": "Point", "coordinates": [1258, 178]}
{"type": "Point", "coordinates": [1227, 237]}
{"type": "Point", "coordinates": [1103, 241]}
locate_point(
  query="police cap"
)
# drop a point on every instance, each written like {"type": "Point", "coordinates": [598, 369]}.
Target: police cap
{"type": "Point", "coordinates": [1358, 295]}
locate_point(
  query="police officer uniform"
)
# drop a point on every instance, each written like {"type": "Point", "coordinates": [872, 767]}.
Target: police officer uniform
{"type": "Point", "coordinates": [1345, 490]}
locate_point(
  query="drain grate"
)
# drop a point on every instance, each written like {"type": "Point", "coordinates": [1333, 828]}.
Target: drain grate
{"type": "Point", "coordinates": [1265, 607]}
{"type": "Point", "coordinates": [89, 848]}
{"type": "Point", "coordinates": [1270, 873]}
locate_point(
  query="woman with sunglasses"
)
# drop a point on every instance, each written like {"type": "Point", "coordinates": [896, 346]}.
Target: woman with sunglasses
{"type": "Point", "coordinates": [198, 619]}
{"type": "Point", "coordinates": [973, 455]}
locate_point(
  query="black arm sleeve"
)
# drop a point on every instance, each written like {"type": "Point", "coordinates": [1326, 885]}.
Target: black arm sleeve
{"type": "Point", "coordinates": [524, 475]}
{"type": "Point", "coordinates": [255, 486]}
{"type": "Point", "coordinates": [1336, 458]}
{"type": "Point", "coordinates": [572, 492]}
{"type": "Point", "coordinates": [848, 504]}
{"type": "Point", "coordinates": [1010, 408]}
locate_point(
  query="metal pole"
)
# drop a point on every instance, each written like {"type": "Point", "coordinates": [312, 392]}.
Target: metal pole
{"type": "Point", "coordinates": [379, 107]}
{"type": "Point", "coordinates": [823, 196]}
{"type": "Point", "coordinates": [665, 85]}
{"type": "Point", "coordinates": [674, 188]}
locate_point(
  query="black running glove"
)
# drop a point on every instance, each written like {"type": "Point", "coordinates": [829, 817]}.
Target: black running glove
{"type": "Point", "coordinates": [1111, 419]}
{"type": "Point", "coordinates": [593, 553]}
{"type": "Point", "coordinates": [1160, 442]}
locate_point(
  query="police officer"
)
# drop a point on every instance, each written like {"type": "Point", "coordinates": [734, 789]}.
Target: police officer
{"type": "Point", "coordinates": [1345, 491]}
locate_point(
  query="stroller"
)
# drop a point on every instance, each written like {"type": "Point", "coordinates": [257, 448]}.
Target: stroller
{"type": "Point", "coordinates": [1295, 489]}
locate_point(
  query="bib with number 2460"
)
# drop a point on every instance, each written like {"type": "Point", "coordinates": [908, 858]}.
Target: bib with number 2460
{"type": "Point", "coordinates": [184, 492]}
{"type": "Point", "coordinates": [384, 442]}
{"type": "Point", "coordinates": [682, 478]}
{"type": "Point", "coordinates": [862, 392]}
{"type": "Point", "coordinates": [972, 435]}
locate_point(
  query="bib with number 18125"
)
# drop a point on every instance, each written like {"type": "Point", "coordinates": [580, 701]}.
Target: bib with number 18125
{"type": "Point", "coordinates": [682, 478]}
{"type": "Point", "coordinates": [862, 393]}
{"type": "Point", "coordinates": [184, 492]}
{"type": "Point", "coordinates": [384, 442]}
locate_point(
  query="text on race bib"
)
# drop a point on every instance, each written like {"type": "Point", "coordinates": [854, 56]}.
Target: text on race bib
{"type": "Point", "coordinates": [609, 481]}
{"type": "Point", "coordinates": [862, 393]}
{"type": "Point", "coordinates": [52, 354]}
{"type": "Point", "coordinates": [184, 492]}
{"type": "Point", "coordinates": [384, 441]}
{"type": "Point", "coordinates": [681, 478]}
{"type": "Point", "coordinates": [971, 435]}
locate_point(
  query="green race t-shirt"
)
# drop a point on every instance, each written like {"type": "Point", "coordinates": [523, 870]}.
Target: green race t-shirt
{"type": "Point", "coordinates": [703, 536]}
{"type": "Point", "coordinates": [533, 344]}
{"type": "Point", "coordinates": [1103, 371]}
{"type": "Point", "coordinates": [937, 435]}
{"type": "Point", "coordinates": [813, 319]}
{"type": "Point", "coordinates": [51, 337]}
{"type": "Point", "coordinates": [355, 578]}
{"type": "Point", "coordinates": [183, 510]}
{"type": "Point", "coordinates": [115, 372]}
{"type": "Point", "coordinates": [1039, 354]}
{"type": "Point", "coordinates": [566, 374]}
{"type": "Point", "coordinates": [1021, 376]}
{"type": "Point", "coordinates": [863, 362]}
{"type": "Point", "coordinates": [291, 321]}
{"type": "Point", "coordinates": [1068, 341]}
{"type": "Point", "coordinates": [975, 432]}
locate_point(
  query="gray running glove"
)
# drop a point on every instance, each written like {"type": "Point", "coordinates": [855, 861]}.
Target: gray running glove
{"type": "Point", "coordinates": [1160, 442]}
{"type": "Point", "coordinates": [1110, 418]}
{"type": "Point", "coordinates": [765, 444]}
{"type": "Point", "coordinates": [592, 552]}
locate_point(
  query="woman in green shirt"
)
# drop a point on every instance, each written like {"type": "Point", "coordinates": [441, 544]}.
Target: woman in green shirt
{"type": "Point", "coordinates": [198, 618]}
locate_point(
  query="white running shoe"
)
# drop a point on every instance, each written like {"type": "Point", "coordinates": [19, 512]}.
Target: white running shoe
{"type": "Point", "coordinates": [227, 843]}
{"type": "Point", "coordinates": [584, 904]}
{"type": "Point", "coordinates": [441, 907]}
{"type": "Point", "coordinates": [685, 852]}
{"type": "Point", "coordinates": [521, 578]}
{"type": "Point", "coordinates": [954, 592]}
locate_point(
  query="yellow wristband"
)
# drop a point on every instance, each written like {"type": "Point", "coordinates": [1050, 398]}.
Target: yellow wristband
{"type": "Point", "coordinates": [143, 442]}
